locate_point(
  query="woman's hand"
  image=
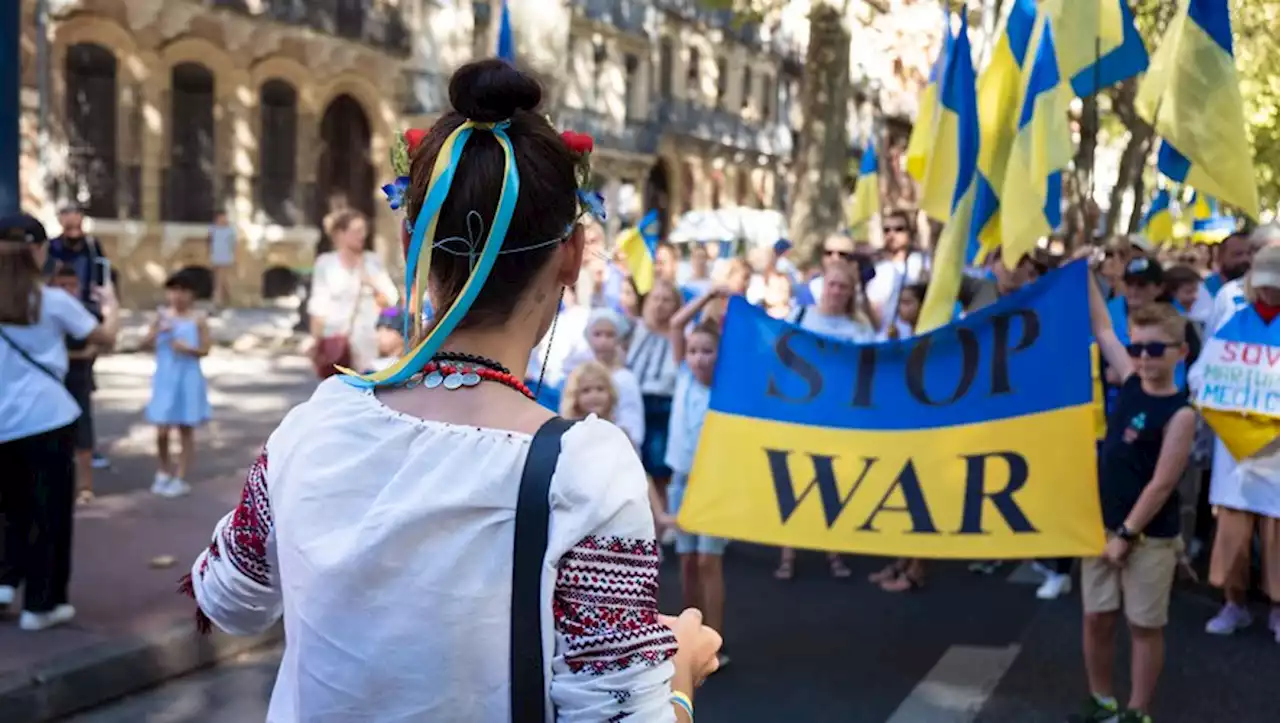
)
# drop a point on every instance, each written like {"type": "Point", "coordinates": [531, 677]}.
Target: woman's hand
{"type": "Point", "coordinates": [697, 646]}
{"type": "Point", "coordinates": [106, 298]}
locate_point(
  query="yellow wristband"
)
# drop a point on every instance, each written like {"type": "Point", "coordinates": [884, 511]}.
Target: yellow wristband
{"type": "Point", "coordinates": [683, 701]}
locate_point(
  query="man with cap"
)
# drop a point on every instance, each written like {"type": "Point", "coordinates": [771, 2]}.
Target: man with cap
{"type": "Point", "coordinates": [1144, 286]}
{"type": "Point", "coordinates": [1231, 296]}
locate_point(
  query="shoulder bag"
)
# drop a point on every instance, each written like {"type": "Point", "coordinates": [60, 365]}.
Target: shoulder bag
{"type": "Point", "coordinates": [334, 350]}
{"type": "Point", "coordinates": [533, 514]}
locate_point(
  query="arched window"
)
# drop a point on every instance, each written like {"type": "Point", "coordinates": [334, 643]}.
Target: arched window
{"type": "Point", "coordinates": [189, 182]}
{"type": "Point", "coordinates": [91, 129]}
{"type": "Point", "coordinates": [278, 153]}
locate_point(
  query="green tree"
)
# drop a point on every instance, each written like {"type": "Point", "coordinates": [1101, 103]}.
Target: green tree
{"type": "Point", "coordinates": [818, 199]}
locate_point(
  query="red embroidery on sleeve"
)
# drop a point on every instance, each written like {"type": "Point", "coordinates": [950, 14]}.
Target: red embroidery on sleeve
{"type": "Point", "coordinates": [606, 605]}
{"type": "Point", "coordinates": [244, 539]}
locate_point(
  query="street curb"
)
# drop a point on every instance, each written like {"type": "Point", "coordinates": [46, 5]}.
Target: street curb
{"type": "Point", "coordinates": [85, 678]}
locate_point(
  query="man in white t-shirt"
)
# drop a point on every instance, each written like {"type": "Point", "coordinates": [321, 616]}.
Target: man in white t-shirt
{"type": "Point", "coordinates": [901, 266]}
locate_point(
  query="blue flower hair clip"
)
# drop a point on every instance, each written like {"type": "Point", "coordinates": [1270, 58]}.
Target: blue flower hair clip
{"type": "Point", "coordinates": [396, 191]}
{"type": "Point", "coordinates": [592, 203]}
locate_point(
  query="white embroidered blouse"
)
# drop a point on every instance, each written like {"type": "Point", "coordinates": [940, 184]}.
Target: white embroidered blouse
{"type": "Point", "coordinates": [385, 541]}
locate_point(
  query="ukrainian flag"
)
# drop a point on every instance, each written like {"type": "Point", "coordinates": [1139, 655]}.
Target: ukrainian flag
{"type": "Point", "coordinates": [506, 40]}
{"type": "Point", "coordinates": [948, 444]}
{"type": "Point", "coordinates": [999, 90]}
{"type": "Point", "coordinates": [1208, 224]}
{"type": "Point", "coordinates": [1097, 43]}
{"type": "Point", "coordinates": [866, 195]}
{"type": "Point", "coordinates": [1157, 223]}
{"type": "Point", "coordinates": [955, 149]}
{"type": "Point", "coordinates": [953, 156]}
{"type": "Point", "coordinates": [1032, 202]}
{"type": "Point", "coordinates": [638, 246]}
{"type": "Point", "coordinates": [921, 140]}
{"type": "Point", "coordinates": [1191, 95]}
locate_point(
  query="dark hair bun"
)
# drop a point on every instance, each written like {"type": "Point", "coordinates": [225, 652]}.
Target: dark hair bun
{"type": "Point", "coordinates": [492, 90]}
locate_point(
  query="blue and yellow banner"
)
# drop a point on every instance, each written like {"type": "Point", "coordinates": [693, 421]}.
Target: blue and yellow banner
{"type": "Point", "coordinates": [974, 441]}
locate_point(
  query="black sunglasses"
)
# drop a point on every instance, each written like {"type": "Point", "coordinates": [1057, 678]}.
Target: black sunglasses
{"type": "Point", "coordinates": [895, 229]}
{"type": "Point", "coordinates": [846, 255]}
{"type": "Point", "coordinates": [1152, 348]}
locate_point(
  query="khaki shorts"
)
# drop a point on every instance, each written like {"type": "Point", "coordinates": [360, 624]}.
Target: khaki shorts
{"type": "Point", "coordinates": [1142, 585]}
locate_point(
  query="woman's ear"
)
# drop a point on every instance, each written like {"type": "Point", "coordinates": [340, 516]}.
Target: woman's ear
{"type": "Point", "coordinates": [571, 258]}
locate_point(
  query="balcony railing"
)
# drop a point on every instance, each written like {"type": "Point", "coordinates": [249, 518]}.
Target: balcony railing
{"type": "Point", "coordinates": [379, 24]}
{"type": "Point", "coordinates": [723, 128]}
{"type": "Point", "coordinates": [631, 136]}
{"type": "Point", "coordinates": [724, 20]}
{"type": "Point", "coordinates": [629, 16]}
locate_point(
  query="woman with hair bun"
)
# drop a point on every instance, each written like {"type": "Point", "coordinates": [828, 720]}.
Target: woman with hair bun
{"type": "Point", "coordinates": [439, 545]}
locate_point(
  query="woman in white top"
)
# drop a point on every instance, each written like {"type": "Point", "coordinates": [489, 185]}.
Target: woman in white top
{"type": "Point", "coordinates": [379, 519]}
{"type": "Point", "coordinates": [349, 289]}
{"type": "Point", "coordinates": [838, 314]}
{"type": "Point", "coordinates": [36, 423]}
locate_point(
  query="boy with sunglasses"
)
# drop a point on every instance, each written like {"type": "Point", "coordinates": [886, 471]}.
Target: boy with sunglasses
{"type": "Point", "coordinates": [1150, 429]}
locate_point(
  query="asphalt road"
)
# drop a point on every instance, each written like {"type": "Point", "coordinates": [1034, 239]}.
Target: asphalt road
{"type": "Point", "coordinates": [966, 649]}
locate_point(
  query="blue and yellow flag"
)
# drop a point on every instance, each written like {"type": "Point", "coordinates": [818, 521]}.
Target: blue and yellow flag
{"type": "Point", "coordinates": [638, 246]}
{"type": "Point", "coordinates": [1208, 224]}
{"type": "Point", "coordinates": [957, 147]}
{"type": "Point", "coordinates": [919, 145]}
{"type": "Point", "coordinates": [1157, 222]}
{"type": "Point", "coordinates": [1096, 42]}
{"type": "Point", "coordinates": [946, 445]}
{"type": "Point", "coordinates": [954, 151]}
{"type": "Point", "coordinates": [999, 92]}
{"type": "Point", "coordinates": [1032, 202]}
{"type": "Point", "coordinates": [506, 40]}
{"type": "Point", "coordinates": [866, 195]}
{"type": "Point", "coordinates": [1191, 95]}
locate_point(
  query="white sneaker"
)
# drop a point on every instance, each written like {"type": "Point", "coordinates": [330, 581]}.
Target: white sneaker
{"type": "Point", "coordinates": [1055, 585]}
{"type": "Point", "coordinates": [40, 621]}
{"type": "Point", "coordinates": [8, 594]}
{"type": "Point", "coordinates": [177, 487]}
{"type": "Point", "coordinates": [161, 484]}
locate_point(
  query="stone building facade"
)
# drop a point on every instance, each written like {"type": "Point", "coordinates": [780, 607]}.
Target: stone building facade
{"type": "Point", "coordinates": [152, 114]}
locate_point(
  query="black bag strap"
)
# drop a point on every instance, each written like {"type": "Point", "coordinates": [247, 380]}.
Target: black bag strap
{"type": "Point", "coordinates": [23, 353]}
{"type": "Point", "coordinates": [533, 513]}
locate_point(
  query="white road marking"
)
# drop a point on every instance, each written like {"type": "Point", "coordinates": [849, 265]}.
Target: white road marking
{"type": "Point", "coordinates": [957, 687]}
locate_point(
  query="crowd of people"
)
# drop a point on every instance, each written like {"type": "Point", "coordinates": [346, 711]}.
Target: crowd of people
{"type": "Point", "coordinates": [635, 372]}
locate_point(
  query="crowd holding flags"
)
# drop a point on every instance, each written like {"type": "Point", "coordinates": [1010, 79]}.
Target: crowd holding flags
{"type": "Point", "coordinates": [1049, 53]}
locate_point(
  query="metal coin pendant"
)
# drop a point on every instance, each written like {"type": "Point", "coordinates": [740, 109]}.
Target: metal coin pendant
{"type": "Point", "coordinates": [453, 381]}
{"type": "Point", "coordinates": [470, 379]}
{"type": "Point", "coordinates": [433, 380]}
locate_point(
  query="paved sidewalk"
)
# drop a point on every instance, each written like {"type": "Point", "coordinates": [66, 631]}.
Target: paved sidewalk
{"type": "Point", "coordinates": [132, 629]}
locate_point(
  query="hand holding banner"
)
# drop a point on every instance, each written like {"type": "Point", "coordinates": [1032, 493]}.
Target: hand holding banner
{"type": "Point", "coordinates": [976, 441]}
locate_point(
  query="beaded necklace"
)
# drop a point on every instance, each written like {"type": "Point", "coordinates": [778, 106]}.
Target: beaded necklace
{"type": "Point", "coordinates": [454, 370]}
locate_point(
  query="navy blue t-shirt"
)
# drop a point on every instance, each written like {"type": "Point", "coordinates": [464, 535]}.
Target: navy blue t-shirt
{"type": "Point", "coordinates": [1127, 459]}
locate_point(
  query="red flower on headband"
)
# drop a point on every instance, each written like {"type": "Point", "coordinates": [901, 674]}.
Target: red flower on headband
{"type": "Point", "coordinates": [578, 142]}
{"type": "Point", "coordinates": [413, 137]}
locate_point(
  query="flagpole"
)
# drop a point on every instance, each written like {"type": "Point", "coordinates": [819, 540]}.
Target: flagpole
{"type": "Point", "coordinates": [10, 104]}
{"type": "Point", "coordinates": [1097, 128]}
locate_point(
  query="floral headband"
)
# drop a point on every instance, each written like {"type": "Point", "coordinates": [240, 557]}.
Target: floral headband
{"type": "Point", "coordinates": [423, 241]}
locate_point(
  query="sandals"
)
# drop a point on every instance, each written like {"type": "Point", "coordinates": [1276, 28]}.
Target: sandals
{"type": "Point", "coordinates": [902, 582]}
{"type": "Point", "coordinates": [84, 497]}
{"type": "Point", "coordinates": [786, 570]}
{"type": "Point", "coordinates": [839, 570]}
{"type": "Point", "coordinates": [888, 572]}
